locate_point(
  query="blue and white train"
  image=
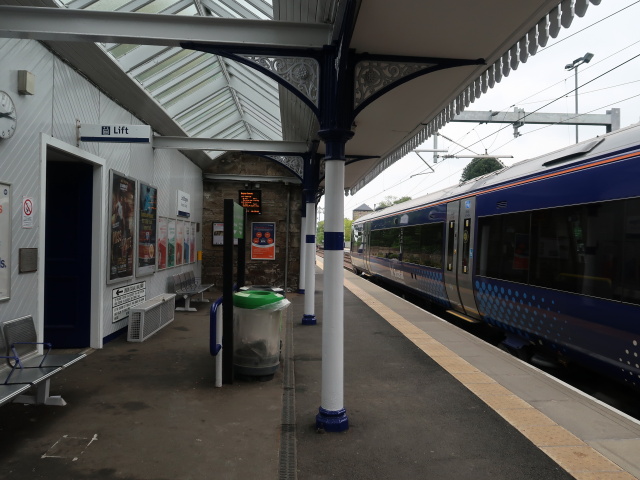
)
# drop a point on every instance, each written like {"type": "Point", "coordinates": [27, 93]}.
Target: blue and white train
{"type": "Point", "coordinates": [547, 250]}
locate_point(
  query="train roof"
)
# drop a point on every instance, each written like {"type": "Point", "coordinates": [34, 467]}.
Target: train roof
{"type": "Point", "coordinates": [558, 159]}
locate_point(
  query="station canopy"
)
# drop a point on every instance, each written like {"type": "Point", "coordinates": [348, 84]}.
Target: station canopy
{"type": "Point", "coordinates": [187, 93]}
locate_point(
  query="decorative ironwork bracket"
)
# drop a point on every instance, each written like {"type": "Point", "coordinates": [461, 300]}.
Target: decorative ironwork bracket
{"type": "Point", "coordinates": [303, 73]}
{"type": "Point", "coordinates": [295, 163]}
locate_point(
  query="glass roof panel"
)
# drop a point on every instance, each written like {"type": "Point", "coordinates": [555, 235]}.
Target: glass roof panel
{"type": "Point", "coordinates": [178, 72]}
{"type": "Point", "coordinates": [196, 88]}
{"type": "Point", "coordinates": [180, 54]}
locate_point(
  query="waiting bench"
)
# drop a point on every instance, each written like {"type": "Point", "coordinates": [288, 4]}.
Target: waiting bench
{"type": "Point", "coordinates": [187, 285]}
{"type": "Point", "coordinates": [26, 368]}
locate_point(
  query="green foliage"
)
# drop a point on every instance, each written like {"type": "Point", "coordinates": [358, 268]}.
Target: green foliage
{"type": "Point", "coordinates": [480, 166]}
{"type": "Point", "coordinates": [347, 229]}
{"type": "Point", "coordinates": [320, 231]}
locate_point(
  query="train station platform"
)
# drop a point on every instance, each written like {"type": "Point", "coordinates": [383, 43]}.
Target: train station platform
{"type": "Point", "coordinates": [424, 400]}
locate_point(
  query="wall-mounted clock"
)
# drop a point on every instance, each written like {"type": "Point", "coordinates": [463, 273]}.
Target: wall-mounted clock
{"type": "Point", "coordinates": [8, 116]}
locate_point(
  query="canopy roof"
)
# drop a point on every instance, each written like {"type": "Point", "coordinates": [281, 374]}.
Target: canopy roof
{"type": "Point", "coordinates": [186, 93]}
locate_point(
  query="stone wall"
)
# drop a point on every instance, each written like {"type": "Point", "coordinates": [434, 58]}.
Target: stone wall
{"type": "Point", "coordinates": [274, 209]}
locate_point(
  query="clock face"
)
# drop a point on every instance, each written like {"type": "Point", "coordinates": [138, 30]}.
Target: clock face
{"type": "Point", "coordinates": [8, 116]}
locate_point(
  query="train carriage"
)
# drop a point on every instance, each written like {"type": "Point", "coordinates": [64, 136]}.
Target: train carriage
{"type": "Point", "coordinates": [547, 250]}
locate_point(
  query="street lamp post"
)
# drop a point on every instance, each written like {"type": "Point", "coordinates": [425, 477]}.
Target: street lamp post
{"type": "Point", "coordinates": [574, 66]}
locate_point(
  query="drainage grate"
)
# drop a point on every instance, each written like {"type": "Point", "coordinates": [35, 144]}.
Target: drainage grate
{"type": "Point", "coordinates": [287, 464]}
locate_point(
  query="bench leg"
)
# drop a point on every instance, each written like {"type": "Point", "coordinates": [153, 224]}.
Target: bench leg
{"type": "Point", "coordinates": [187, 305]}
{"type": "Point", "coordinates": [202, 299]}
{"type": "Point", "coordinates": [42, 396]}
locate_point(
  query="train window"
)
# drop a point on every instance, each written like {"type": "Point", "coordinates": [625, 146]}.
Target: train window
{"type": "Point", "coordinates": [386, 243]}
{"type": "Point", "coordinates": [451, 235]}
{"type": "Point", "coordinates": [422, 244]}
{"type": "Point", "coordinates": [357, 238]}
{"type": "Point", "coordinates": [589, 249]}
{"type": "Point", "coordinates": [504, 247]}
{"type": "Point", "coordinates": [466, 244]}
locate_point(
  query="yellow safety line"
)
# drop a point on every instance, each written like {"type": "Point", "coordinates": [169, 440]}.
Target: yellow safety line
{"type": "Point", "coordinates": [567, 450]}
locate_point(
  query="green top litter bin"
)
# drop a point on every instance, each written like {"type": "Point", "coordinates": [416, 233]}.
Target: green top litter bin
{"type": "Point", "coordinates": [257, 319]}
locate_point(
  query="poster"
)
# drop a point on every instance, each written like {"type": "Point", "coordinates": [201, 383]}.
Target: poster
{"type": "Point", "coordinates": [263, 241]}
{"type": "Point", "coordinates": [121, 228]}
{"type": "Point", "coordinates": [192, 243]}
{"type": "Point", "coordinates": [171, 243]}
{"type": "Point", "coordinates": [162, 243]}
{"type": "Point", "coordinates": [5, 241]}
{"type": "Point", "coordinates": [218, 233]}
{"type": "Point", "coordinates": [186, 244]}
{"type": "Point", "coordinates": [147, 229]}
{"type": "Point", "coordinates": [179, 242]}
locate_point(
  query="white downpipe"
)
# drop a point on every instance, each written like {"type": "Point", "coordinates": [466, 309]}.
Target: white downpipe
{"type": "Point", "coordinates": [310, 260]}
{"type": "Point", "coordinates": [303, 250]}
{"type": "Point", "coordinates": [332, 397]}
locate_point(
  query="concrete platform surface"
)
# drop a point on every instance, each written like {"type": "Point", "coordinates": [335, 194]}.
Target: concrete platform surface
{"type": "Point", "coordinates": [424, 400]}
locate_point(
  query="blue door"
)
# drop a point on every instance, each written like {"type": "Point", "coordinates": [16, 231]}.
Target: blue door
{"type": "Point", "coordinates": [67, 288]}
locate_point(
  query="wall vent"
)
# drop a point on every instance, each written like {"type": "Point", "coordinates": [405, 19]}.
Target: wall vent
{"type": "Point", "coordinates": [148, 317]}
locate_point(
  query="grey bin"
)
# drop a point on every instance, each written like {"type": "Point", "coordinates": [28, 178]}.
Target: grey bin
{"type": "Point", "coordinates": [257, 320]}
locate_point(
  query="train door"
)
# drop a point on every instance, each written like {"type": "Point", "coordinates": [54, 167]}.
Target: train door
{"type": "Point", "coordinates": [458, 271]}
{"type": "Point", "coordinates": [366, 246]}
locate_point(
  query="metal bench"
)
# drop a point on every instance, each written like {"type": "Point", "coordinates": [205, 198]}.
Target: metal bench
{"type": "Point", "coordinates": [187, 285]}
{"type": "Point", "coordinates": [26, 368]}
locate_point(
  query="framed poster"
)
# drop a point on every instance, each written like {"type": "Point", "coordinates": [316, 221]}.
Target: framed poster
{"type": "Point", "coordinates": [179, 241]}
{"type": "Point", "coordinates": [171, 242]}
{"type": "Point", "coordinates": [147, 229]}
{"type": "Point", "coordinates": [192, 243]}
{"type": "Point", "coordinates": [162, 243]}
{"type": "Point", "coordinates": [263, 241]}
{"type": "Point", "coordinates": [5, 241]}
{"type": "Point", "coordinates": [187, 242]}
{"type": "Point", "coordinates": [121, 227]}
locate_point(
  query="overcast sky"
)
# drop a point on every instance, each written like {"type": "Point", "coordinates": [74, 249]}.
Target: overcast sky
{"type": "Point", "coordinates": [611, 31]}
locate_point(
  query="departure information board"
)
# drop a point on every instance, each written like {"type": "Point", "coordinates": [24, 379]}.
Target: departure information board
{"type": "Point", "coordinates": [251, 201]}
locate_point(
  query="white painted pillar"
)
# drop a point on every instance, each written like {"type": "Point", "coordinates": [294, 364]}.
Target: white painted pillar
{"type": "Point", "coordinates": [303, 258]}
{"type": "Point", "coordinates": [309, 317]}
{"type": "Point", "coordinates": [332, 415]}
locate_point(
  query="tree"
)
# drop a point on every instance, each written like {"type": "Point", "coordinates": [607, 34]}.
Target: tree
{"type": "Point", "coordinates": [480, 166]}
{"type": "Point", "coordinates": [347, 229]}
{"type": "Point", "coordinates": [391, 200]}
{"type": "Point", "coordinates": [320, 232]}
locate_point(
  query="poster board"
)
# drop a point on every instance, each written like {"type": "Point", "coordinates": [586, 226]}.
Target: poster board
{"type": "Point", "coordinates": [171, 243]}
{"type": "Point", "coordinates": [263, 241]}
{"type": "Point", "coordinates": [147, 229]}
{"type": "Point", "coordinates": [5, 241]}
{"type": "Point", "coordinates": [122, 227]}
{"type": "Point", "coordinates": [162, 242]}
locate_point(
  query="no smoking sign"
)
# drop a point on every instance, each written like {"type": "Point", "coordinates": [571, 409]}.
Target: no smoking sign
{"type": "Point", "coordinates": [27, 212]}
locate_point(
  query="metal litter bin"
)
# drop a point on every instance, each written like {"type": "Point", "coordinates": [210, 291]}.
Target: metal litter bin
{"type": "Point", "coordinates": [257, 318]}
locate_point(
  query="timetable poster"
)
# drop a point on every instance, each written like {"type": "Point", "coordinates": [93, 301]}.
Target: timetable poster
{"type": "Point", "coordinates": [5, 241]}
{"type": "Point", "coordinates": [162, 243]}
{"type": "Point", "coordinates": [122, 227]}
{"type": "Point", "coordinates": [147, 229]}
{"type": "Point", "coordinates": [179, 241]}
{"type": "Point", "coordinates": [171, 243]}
{"type": "Point", "coordinates": [263, 241]}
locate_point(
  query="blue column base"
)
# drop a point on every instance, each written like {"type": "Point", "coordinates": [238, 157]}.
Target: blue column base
{"type": "Point", "coordinates": [331, 421]}
{"type": "Point", "coordinates": [308, 319]}
{"type": "Point", "coordinates": [301, 290]}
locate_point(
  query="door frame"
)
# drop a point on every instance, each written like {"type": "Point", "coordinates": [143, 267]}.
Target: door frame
{"type": "Point", "coordinates": [98, 233]}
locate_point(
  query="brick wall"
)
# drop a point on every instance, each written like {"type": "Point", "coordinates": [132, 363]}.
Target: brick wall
{"type": "Point", "coordinates": [274, 209]}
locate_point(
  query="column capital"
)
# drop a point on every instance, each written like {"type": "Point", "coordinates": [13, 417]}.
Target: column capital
{"type": "Point", "coordinates": [335, 140]}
